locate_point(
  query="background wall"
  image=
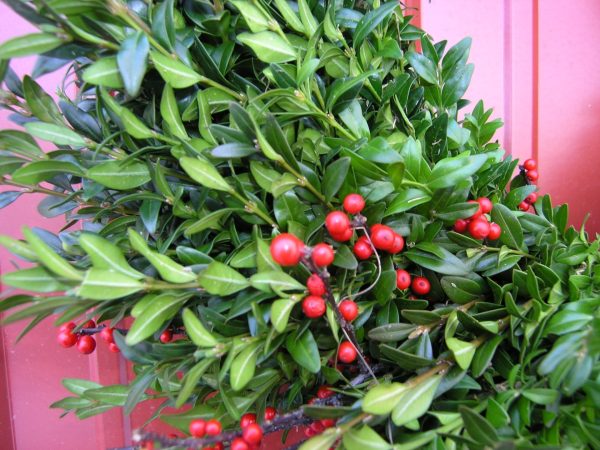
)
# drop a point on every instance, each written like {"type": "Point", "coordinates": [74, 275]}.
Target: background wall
{"type": "Point", "coordinates": [536, 65]}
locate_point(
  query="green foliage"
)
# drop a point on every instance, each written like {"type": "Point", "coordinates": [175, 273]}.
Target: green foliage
{"type": "Point", "coordinates": [201, 130]}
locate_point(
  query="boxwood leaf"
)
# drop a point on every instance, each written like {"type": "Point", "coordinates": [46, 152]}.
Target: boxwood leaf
{"type": "Point", "coordinates": [204, 173]}
{"type": "Point", "coordinates": [132, 61]}
{"type": "Point", "coordinates": [243, 367]}
{"type": "Point", "coordinates": [280, 312]}
{"type": "Point", "coordinates": [30, 44]}
{"type": "Point", "coordinates": [220, 279]}
{"type": "Point", "coordinates": [304, 350]}
{"type": "Point", "coordinates": [101, 284]}
{"type": "Point", "coordinates": [119, 176]}
{"type": "Point", "coordinates": [364, 438]}
{"type": "Point", "coordinates": [106, 255]}
{"type": "Point", "coordinates": [512, 233]}
{"type": "Point", "coordinates": [196, 331]}
{"type": "Point", "coordinates": [38, 171]}
{"type": "Point", "coordinates": [415, 401]}
{"type": "Point", "coordinates": [162, 308]}
{"type": "Point", "coordinates": [383, 398]}
{"type": "Point", "coordinates": [268, 46]}
{"type": "Point", "coordinates": [104, 72]}
{"type": "Point", "coordinates": [50, 258]}
{"type": "Point", "coordinates": [449, 171]}
{"type": "Point", "coordinates": [174, 72]}
{"type": "Point", "coordinates": [57, 134]}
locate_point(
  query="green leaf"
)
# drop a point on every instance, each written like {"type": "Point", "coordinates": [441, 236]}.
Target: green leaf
{"type": "Point", "coordinates": [177, 74]}
{"type": "Point", "coordinates": [212, 220]}
{"type": "Point", "coordinates": [104, 72]}
{"type": "Point", "coordinates": [406, 200]}
{"type": "Point", "coordinates": [450, 171]}
{"type": "Point", "coordinates": [106, 256]}
{"type": "Point", "coordinates": [478, 427]}
{"type": "Point", "coordinates": [196, 330]}
{"type": "Point", "coordinates": [101, 284]}
{"type": "Point", "coordinates": [323, 441]}
{"type": "Point", "coordinates": [204, 173]}
{"type": "Point", "coordinates": [334, 176]}
{"type": "Point", "coordinates": [456, 86]}
{"type": "Point", "coordinates": [424, 67]}
{"type": "Point", "coordinates": [541, 396]}
{"type": "Point", "coordinates": [170, 113]}
{"type": "Point", "coordinates": [254, 18]}
{"type": "Point", "coordinates": [220, 279]}
{"type": "Point", "coordinates": [36, 279]}
{"type": "Point", "coordinates": [304, 350]}
{"type": "Point", "coordinates": [455, 211]}
{"type": "Point", "coordinates": [512, 233]}
{"type": "Point", "coordinates": [364, 438]}
{"type": "Point", "coordinates": [268, 46]}
{"type": "Point", "coordinates": [371, 20]}
{"type": "Point", "coordinates": [243, 367]}
{"type": "Point", "coordinates": [38, 171]}
{"type": "Point", "coordinates": [415, 401]}
{"type": "Point", "coordinates": [132, 61]}
{"type": "Point", "coordinates": [280, 312]}
{"type": "Point", "coordinates": [30, 44]}
{"type": "Point", "coordinates": [461, 290]}
{"type": "Point", "coordinates": [449, 264]}
{"type": "Point", "coordinates": [57, 134]}
{"type": "Point", "coordinates": [275, 281]}
{"type": "Point", "coordinates": [289, 15]}
{"type": "Point", "coordinates": [308, 20]}
{"type": "Point", "coordinates": [119, 176]}
{"type": "Point", "coordinates": [383, 398]}
{"type": "Point", "coordinates": [392, 332]}
{"type": "Point", "coordinates": [78, 386]}
{"type": "Point", "coordinates": [49, 258]}
{"type": "Point", "coordinates": [191, 380]}
{"type": "Point", "coordinates": [462, 351]}
{"type": "Point", "coordinates": [41, 104]}
{"type": "Point", "coordinates": [112, 395]}
{"type": "Point", "coordinates": [162, 308]}
{"type": "Point", "coordinates": [20, 143]}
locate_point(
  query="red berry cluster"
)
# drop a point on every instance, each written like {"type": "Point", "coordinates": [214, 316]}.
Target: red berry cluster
{"type": "Point", "coordinates": [200, 428]}
{"type": "Point", "coordinates": [530, 168]}
{"type": "Point", "coordinates": [86, 344]}
{"type": "Point", "coordinates": [478, 225]}
{"type": "Point", "coordinates": [318, 426]}
{"type": "Point", "coordinates": [529, 200]}
{"type": "Point", "coordinates": [419, 285]}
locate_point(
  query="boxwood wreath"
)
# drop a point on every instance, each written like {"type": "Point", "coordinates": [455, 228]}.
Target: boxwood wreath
{"type": "Point", "coordinates": [212, 158]}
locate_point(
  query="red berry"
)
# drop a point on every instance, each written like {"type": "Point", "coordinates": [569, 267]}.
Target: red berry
{"type": "Point", "coordinates": [354, 203]}
{"type": "Point", "coordinates": [344, 236]}
{"type": "Point", "coordinates": [495, 231]}
{"type": "Point", "coordinates": [89, 324]}
{"type": "Point", "coordinates": [531, 198]}
{"type": "Point", "coordinates": [524, 206]}
{"type": "Point", "coordinates": [337, 222]}
{"type": "Point", "coordinates": [402, 279]}
{"type": "Point", "coordinates": [239, 444]}
{"type": "Point", "coordinates": [311, 401]}
{"type": "Point", "coordinates": [315, 285]}
{"type": "Point", "coordinates": [309, 432]}
{"type": "Point", "coordinates": [362, 248]}
{"type": "Point", "coordinates": [479, 228]}
{"type": "Point", "coordinates": [421, 285]}
{"type": "Point", "coordinates": [166, 336]}
{"type": "Point", "coordinates": [107, 334]}
{"type": "Point", "coordinates": [113, 347]}
{"type": "Point", "coordinates": [324, 392]}
{"type": "Point", "coordinates": [198, 428]}
{"type": "Point", "coordinates": [382, 237]}
{"type": "Point", "coordinates": [213, 427]}
{"type": "Point", "coordinates": [398, 244]}
{"type": "Point", "coordinates": [348, 310]}
{"type": "Point", "coordinates": [327, 423]}
{"type": "Point", "coordinates": [322, 254]}
{"type": "Point", "coordinates": [270, 413]}
{"type": "Point", "coordinates": [347, 352]}
{"type": "Point", "coordinates": [86, 344]}
{"type": "Point", "coordinates": [286, 249]}
{"type": "Point", "coordinates": [313, 306]}
{"type": "Point", "coordinates": [485, 204]}
{"type": "Point", "coordinates": [218, 446]}
{"type": "Point", "coordinates": [247, 419]}
{"type": "Point", "coordinates": [69, 326]}
{"type": "Point", "coordinates": [530, 164]}
{"type": "Point", "coordinates": [252, 434]}
{"type": "Point", "coordinates": [317, 427]}
{"type": "Point", "coordinates": [460, 226]}
{"type": "Point", "coordinates": [477, 213]}
{"type": "Point", "coordinates": [532, 175]}
{"type": "Point", "coordinates": [67, 339]}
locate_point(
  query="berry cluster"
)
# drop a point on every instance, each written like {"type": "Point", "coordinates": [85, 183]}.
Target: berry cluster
{"type": "Point", "coordinates": [419, 285]}
{"type": "Point", "coordinates": [318, 426]}
{"type": "Point", "coordinates": [478, 225]}
{"type": "Point", "coordinates": [529, 200]}
{"type": "Point", "coordinates": [200, 428]}
{"type": "Point", "coordinates": [530, 169]}
{"type": "Point", "coordinates": [86, 344]}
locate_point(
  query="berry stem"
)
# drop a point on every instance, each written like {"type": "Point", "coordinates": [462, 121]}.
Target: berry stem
{"type": "Point", "coordinates": [376, 253]}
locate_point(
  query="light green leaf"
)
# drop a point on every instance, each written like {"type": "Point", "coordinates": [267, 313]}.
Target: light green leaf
{"type": "Point", "coordinates": [132, 61]}
{"type": "Point", "coordinates": [268, 46]}
{"type": "Point", "coordinates": [243, 367]}
{"type": "Point", "coordinates": [220, 279]}
{"type": "Point", "coordinates": [174, 72]}
{"type": "Point", "coordinates": [115, 175]}
{"type": "Point", "coordinates": [36, 279]}
{"type": "Point", "coordinates": [56, 134]}
{"type": "Point", "coordinates": [38, 171]}
{"type": "Point", "coordinates": [204, 173]}
{"type": "Point", "coordinates": [275, 281]}
{"type": "Point", "coordinates": [415, 401]}
{"type": "Point", "coordinates": [196, 330]}
{"type": "Point", "coordinates": [280, 312]}
{"type": "Point", "coordinates": [383, 398]}
{"type": "Point", "coordinates": [170, 113]}
{"type": "Point", "coordinates": [106, 255]}
{"type": "Point", "coordinates": [30, 44]}
{"type": "Point", "coordinates": [162, 308]}
{"type": "Point", "coordinates": [49, 258]}
{"type": "Point", "coordinates": [104, 72]}
{"type": "Point", "coordinates": [101, 284]}
{"type": "Point", "coordinates": [463, 351]}
{"type": "Point", "coordinates": [304, 350]}
{"type": "Point", "coordinates": [449, 171]}
{"type": "Point", "coordinates": [364, 438]}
